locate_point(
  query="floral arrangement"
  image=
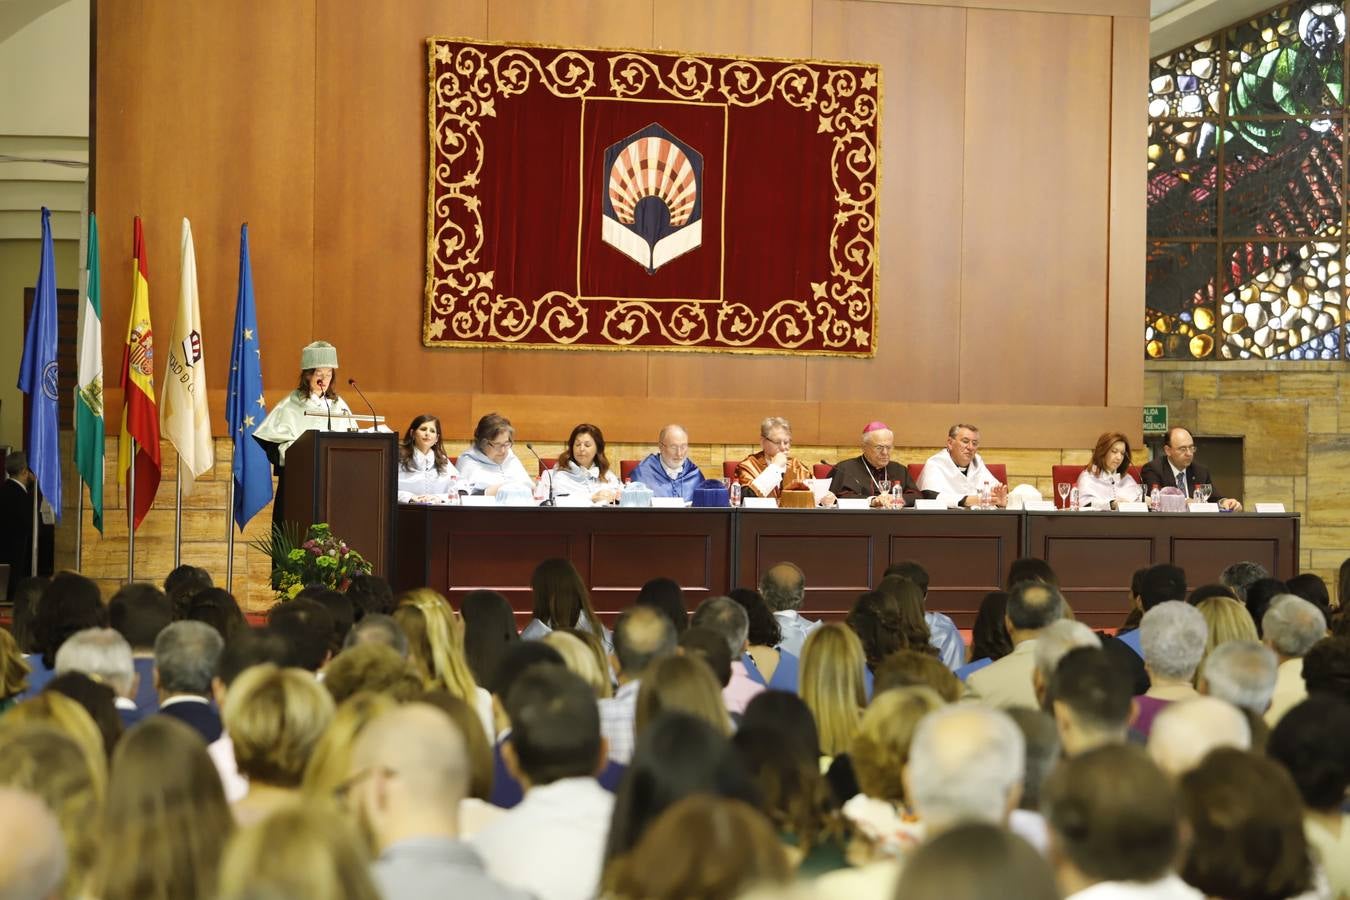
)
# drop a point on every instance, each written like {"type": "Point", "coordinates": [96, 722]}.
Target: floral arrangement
{"type": "Point", "coordinates": [321, 558]}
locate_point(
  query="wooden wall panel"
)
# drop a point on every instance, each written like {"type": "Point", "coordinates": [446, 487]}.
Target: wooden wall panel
{"type": "Point", "coordinates": [1128, 223]}
{"type": "Point", "coordinates": [1034, 236]}
{"type": "Point", "coordinates": [1006, 179]}
{"type": "Point", "coordinates": [922, 148]}
{"type": "Point", "coordinates": [197, 117]}
{"type": "Point", "coordinates": [369, 251]}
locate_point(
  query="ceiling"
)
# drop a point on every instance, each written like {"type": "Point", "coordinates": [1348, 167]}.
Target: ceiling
{"type": "Point", "coordinates": [1174, 23]}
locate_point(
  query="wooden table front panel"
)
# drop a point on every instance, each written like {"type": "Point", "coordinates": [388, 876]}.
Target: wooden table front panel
{"type": "Point", "coordinates": [846, 552]}
{"type": "Point", "coordinates": [1096, 554]}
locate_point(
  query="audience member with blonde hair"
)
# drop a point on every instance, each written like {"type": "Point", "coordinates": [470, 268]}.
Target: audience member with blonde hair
{"type": "Point", "coordinates": [42, 760]}
{"type": "Point", "coordinates": [32, 854]}
{"type": "Point", "coordinates": [14, 670]}
{"type": "Point", "coordinates": [832, 684]}
{"type": "Point", "coordinates": [909, 668]}
{"type": "Point", "coordinates": [327, 765]}
{"type": "Point", "coordinates": [436, 644]}
{"type": "Point", "coordinates": [406, 778]}
{"type": "Point", "coordinates": [879, 755]}
{"type": "Point", "coordinates": [275, 717]}
{"type": "Point", "coordinates": [581, 660]}
{"type": "Point", "coordinates": [301, 851]}
{"type": "Point", "coordinates": [708, 847]}
{"type": "Point", "coordinates": [681, 684]}
{"type": "Point", "coordinates": [165, 821]}
{"type": "Point", "coordinates": [72, 720]}
{"type": "Point", "coordinates": [372, 668]}
{"type": "Point", "coordinates": [1228, 620]}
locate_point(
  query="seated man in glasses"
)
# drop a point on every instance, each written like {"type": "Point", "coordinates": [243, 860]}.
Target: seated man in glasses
{"type": "Point", "coordinates": [670, 472]}
{"type": "Point", "coordinates": [768, 472]}
{"type": "Point", "coordinates": [957, 474]}
{"type": "Point", "coordinates": [874, 474]}
{"type": "Point", "coordinates": [1177, 468]}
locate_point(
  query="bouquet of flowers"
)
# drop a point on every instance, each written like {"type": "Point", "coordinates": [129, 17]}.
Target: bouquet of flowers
{"type": "Point", "coordinates": [321, 558]}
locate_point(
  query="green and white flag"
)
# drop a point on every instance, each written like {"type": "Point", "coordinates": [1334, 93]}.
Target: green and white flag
{"type": "Point", "coordinates": [89, 385]}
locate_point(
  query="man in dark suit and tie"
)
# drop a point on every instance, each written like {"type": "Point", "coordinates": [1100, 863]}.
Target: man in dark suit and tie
{"type": "Point", "coordinates": [1177, 468]}
{"type": "Point", "coordinates": [186, 654]}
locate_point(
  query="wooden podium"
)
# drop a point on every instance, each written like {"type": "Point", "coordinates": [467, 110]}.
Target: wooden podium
{"type": "Point", "coordinates": [348, 479]}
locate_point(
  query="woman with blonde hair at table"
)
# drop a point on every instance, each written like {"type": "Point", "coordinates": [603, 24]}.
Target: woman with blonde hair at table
{"type": "Point", "coordinates": [436, 645]}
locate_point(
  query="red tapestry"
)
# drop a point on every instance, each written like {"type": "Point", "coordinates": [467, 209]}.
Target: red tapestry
{"type": "Point", "coordinates": [607, 199]}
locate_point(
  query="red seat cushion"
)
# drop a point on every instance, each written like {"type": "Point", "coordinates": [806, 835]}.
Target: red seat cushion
{"type": "Point", "coordinates": [822, 470]}
{"type": "Point", "coordinates": [729, 468]}
{"type": "Point", "coordinates": [626, 467]}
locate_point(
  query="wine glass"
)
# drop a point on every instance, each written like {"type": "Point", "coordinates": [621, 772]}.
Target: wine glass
{"type": "Point", "coordinates": [883, 486]}
{"type": "Point", "coordinates": [1063, 489]}
{"type": "Point", "coordinates": [1203, 491]}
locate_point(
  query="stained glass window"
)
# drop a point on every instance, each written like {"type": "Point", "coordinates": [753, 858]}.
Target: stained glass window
{"type": "Point", "coordinates": [1246, 220]}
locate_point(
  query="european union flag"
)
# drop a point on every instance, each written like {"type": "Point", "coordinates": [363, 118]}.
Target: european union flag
{"type": "Point", "coordinates": [246, 407]}
{"type": "Point", "coordinates": [37, 376]}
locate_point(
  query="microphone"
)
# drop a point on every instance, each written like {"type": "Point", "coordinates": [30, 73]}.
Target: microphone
{"type": "Point", "coordinates": [543, 471]}
{"type": "Point", "coordinates": [374, 423]}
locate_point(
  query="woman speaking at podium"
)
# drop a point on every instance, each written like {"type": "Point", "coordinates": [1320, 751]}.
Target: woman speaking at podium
{"type": "Point", "coordinates": [314, 394]}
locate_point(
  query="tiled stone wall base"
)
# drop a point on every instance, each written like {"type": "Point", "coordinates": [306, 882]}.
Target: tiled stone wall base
{"type": "Point", "coordinates": [205, 517]}
{"type": "Point", "coordinates": [1295, 420]}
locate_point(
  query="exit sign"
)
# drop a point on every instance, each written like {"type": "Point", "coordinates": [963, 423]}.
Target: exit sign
{"type": "Point", "coordinates": [1155, 420]}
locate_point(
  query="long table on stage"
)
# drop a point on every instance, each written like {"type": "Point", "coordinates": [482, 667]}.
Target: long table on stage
{"type": "Point", "coordinates": [843, 552]}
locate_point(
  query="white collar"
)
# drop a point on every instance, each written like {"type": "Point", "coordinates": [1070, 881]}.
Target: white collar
{"type": "Point", "coordinates": [184, 698]}
{"type": "Point", "coordinates": [1175, 470]}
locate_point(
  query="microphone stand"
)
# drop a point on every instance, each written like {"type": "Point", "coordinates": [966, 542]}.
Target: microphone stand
{"type": "Point", "coordinates": [375, 423]}
{"type": "Point", "coordinates": [545, 471]}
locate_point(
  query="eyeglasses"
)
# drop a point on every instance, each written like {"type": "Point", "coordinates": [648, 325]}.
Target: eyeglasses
{"type": "Point", "coordinates": [1189, 448]}
{"type": "Point", "coordinates": [501, 445]}
{"type": "Point", "coordinates": [780, 442]}
{"type": "Point", "coordinates": [883, 448]}
{"type": "Point", "coordinates": [346, 787]}
{"type": "Point", "coordinates": [675, 448]}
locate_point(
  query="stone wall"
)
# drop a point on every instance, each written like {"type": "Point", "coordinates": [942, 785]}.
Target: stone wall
{"type": "Point", "coordinates": [104, 558]}
{"type": "Point", "coordinates": [1295, 421]}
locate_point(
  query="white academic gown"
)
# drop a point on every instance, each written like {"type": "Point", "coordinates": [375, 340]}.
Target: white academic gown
{"type": "Point", "coordinates": [482, 473]}
{"type": "Point", "coordinates": [423, 479]}
{"type": "Point", "coordinates": [574, 486]}
{"type": "Point", "coordinates": [941, 474]}
{"type": "Point", "coordinates": [287, 420]}
{"type": "Point", "coordinates": [1100, 490]}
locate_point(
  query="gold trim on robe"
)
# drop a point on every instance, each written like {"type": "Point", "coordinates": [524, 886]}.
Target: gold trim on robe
{"type": "Point", "coordinates": [754, 465]}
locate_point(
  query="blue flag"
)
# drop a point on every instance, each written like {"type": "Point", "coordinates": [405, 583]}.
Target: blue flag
{"type": "Point", "coordinates": [245, 406]}
{"type": "Point", "coordinates": [38, 376]}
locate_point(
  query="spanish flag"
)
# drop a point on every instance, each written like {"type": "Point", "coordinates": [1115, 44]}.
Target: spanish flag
{"type": "Point", "coordinates": [140, 420]}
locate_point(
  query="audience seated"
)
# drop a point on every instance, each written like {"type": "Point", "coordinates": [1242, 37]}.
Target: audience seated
{"type": "Point", "coordinates": [94, 698]}
{"type": "Point", "coordinates": [139, 612]}
{"type": "Point", "coordinates": [580, 661]}
{"type": "Point", "coordinates": [1184, 732]}
{"type": "Point", "coordinates": [966, 764]}
{"type": "Point", "coordinates": [1032, 607]}
{"type": "Point", "coordinates": [378, 628]}
{"type": "Point", "coordinates": [33, 853]}
{"type": "Point", "coordinates": [1243, 673]}
{"type": "Point", "coordinates": [14, 671]}
{"type": "Point", "coordinates": [908, 668]}
{"type": "Point", "coordinates": [765, 660]}
{"type": "Point", "coordinates": [1290, 627]}
{"type": "Point", "coordinates": [976, 861]}
{"type": "Point", "coordinates": [1115, 827]}
{"type": "Point", "coordinates": [729, 619]}
{"type": "Point", "coordinates": [476, 810]}
{"type": "Point", "coordinates": [552, 844]}
{"type": "Point", "coordinates": [1090, 698]}
{"type": "Point", "coordinates": [181, 585]}
{"type": "Point", "coordinates": [104, 655]}
{"type": "Point", "coordinates": [989, 639]}
{"type": "Point", "coordinates": [561, 600]}
{"type": "Point", "coordinates": [218, 608]}
{"type": "Point", "coordinates": [1172, 636]}
{"type": "Point", "coordinates": [665, 594]}
{"type": "Point", "coordinates": [302, 851]}
{"type": "Point", "coordinates": [682, 683]}
{"type": "Point", "coordinates": [709, 646]}
{"type": "Point", "coordinates": [1245, 829]}
{"type": "Point", "coordinates": [1258, 597]}
{"type": "Point", "coordinates": [372, 668]}
{"type": "Point", "coordinates": [1326, 668]}
{"type": "Point", "coordinates": [1242, 575]}
{"type": "Point", "coordinates": [1158, 584]}
{"type": "Point", "coordinates": [405, 780]}
{"type": "Point", "coordinates": [70, 603]}
{"type": "Point", "coordinates": [186, 654]}
{"type": "Point", "coordinates": [55, 710]}
{"type": "Point", "coordinates": [436, 647]}
{"type": "Point", "coordinates": [308, 628]}
{"type": "Point", "coordinates": [1056, 640]}
{"type": "Point", "coordinates": [833, 685]}
{"type": "Point", "coordinates": [328, 763]}
{"type": "Point", "coordinates": [941, 629]}
{"type": "Point", "coordinates": [489, 630]}
{"type": "Point", "coordinates": [641, 637]}
{"type": "Point", "coordinates": [783, 587]}
{"type": "Point", "coordinates": [370, 595]}
{"type": "Point", "coordinates": [1312, 742]}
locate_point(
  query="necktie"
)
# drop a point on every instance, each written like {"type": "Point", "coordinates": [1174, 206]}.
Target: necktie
{"type": "Point", "coordinates": [1181, 483]}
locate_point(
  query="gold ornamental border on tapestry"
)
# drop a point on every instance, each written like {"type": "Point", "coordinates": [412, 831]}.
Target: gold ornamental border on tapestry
{"type": "Point", "coordinates": [468, 298]}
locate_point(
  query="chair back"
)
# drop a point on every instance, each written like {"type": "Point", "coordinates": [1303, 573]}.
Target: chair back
{"type": "Point", "coordinates": [729, 467]}
{"type": "Point", "coordinates": [547, 464]}
{"type": "Point", "coordinates": [626, 467]}
{"type": "Point", "coordinates": [822, 470]}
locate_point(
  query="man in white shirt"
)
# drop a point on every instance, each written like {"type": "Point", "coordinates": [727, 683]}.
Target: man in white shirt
{"type": "Point", "coordinates": [958, 473]}
{"type": "Point", "coordinates": [1114, 827]}
{"type": "Point", "coordinates": [642, 635]}
{"type": "Point", "coordinates": [1290, 627]}
{"type": "Point", "coordinates": [1032, 607]}
{"type": "Point", "coordinates": [783, 587]}
{"type": "Point", "coordinates": [553, 843]}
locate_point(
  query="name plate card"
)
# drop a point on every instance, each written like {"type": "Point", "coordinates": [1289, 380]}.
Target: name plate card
{"type": "Point", "coordinates": [479, 500]}
{"type": "Point", "coordinates": [1131, 506]}
{"type": "Point", "coordinates": [1039, 506]}
{"type": "Point", "coordinates": [853, 502]}
{"type": "Point", "coordinates": [668, 503]}
{"type": "Point", "coordinates": [1270, 507]}
{"type": "Point", "coordinates": [1202, 507]}
{"type": "Point", "coordinates": [760, 502]}
{"type": "Point", "coordinates": [929, 503]}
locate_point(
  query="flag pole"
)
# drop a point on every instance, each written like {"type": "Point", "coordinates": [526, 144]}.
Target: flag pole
{"type": "Point", "coordinates": [79, 525]}
{"type": "Point", "coordinates": [131, 516]}
{"type": "Point", "coordinates": [229, 539]}
{"type": "Point", "coordinates": [178, 513]}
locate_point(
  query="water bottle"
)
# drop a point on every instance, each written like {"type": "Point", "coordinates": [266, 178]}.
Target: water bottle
{"type": "Point", "coordinates": [986, 495]}
{"type": "Point", "coordinates": [1075, 499]}
{"type": "Point", "coordinates": [734, 493]}
{"type": "Point", "coordinates": [897, 495]}
{"type": "Point", "coordinates": [1154, 499]}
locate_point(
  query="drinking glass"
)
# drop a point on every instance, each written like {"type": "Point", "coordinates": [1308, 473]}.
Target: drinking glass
{"type": "Point", "coordinates": [884, 486]}
{"type": "Point", "coordinates": [1063, 489]}
{"type": "Point", "coordinates": [1203, 491]}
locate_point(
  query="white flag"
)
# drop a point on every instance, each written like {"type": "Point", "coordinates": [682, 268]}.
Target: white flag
{"type": "Point", "coordinates": [184, 418]}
